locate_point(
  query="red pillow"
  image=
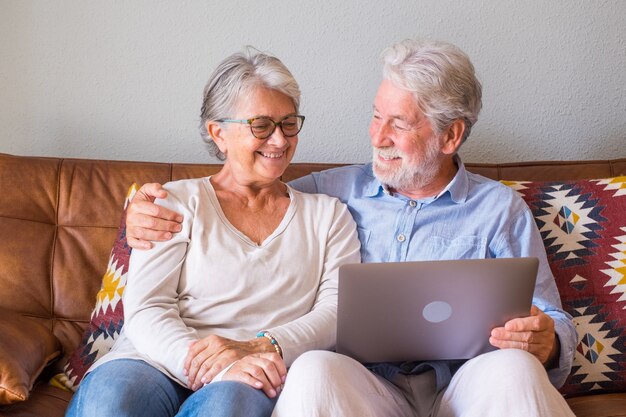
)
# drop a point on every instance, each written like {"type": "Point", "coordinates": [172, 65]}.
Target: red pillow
{"type": "Point", "coordinates": [583, 226]}
{"type": "Point", "coordinates": [107, 317]}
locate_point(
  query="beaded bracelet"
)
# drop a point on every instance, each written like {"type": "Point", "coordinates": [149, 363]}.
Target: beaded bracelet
{"type": "Point", "coordinates": [273, 341]}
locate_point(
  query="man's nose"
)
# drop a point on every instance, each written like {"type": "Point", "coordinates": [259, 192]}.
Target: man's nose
{"type": "Point", "coordinates": [380, 134]}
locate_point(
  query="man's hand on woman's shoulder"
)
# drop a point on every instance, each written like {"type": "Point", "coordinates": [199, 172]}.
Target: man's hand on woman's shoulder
{"type": "Point", "coordinates": [147, 222]}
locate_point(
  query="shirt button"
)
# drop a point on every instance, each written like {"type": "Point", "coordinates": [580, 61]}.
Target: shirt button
{"type": "Point", "coordinates": [412, 203]}
{"type": "Point", "coordinates": [401, 238]}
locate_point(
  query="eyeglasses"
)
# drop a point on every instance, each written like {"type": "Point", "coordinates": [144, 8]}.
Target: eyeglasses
{"type": "Point", "coordinates": [263, 127]}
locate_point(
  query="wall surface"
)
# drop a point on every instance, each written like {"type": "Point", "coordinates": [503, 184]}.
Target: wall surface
{"type": "Point", "coordinates": [123, 79]}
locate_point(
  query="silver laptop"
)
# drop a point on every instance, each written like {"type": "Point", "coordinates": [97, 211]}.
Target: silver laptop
{"type": "Point", "coordinates": [429, 310]}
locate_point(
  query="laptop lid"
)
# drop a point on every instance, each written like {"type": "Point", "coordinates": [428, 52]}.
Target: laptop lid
{"type": "Point", "coordinates": [429, 310]}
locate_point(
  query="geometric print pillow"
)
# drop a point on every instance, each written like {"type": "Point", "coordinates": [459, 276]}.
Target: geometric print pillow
{"type": "Point", "coordinates": [107, 317]}
{"type": "Point", "coordinates": [583, 226]}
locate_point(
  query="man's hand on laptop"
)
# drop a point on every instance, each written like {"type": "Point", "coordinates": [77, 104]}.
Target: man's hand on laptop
{"type": "Point", "coordinates": [534, 333]}
{"type": "Point", "coordinates": [147, 222]}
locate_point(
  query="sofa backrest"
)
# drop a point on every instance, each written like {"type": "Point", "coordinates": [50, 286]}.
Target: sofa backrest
{"type": "Point", "coordinates": [59, 217]}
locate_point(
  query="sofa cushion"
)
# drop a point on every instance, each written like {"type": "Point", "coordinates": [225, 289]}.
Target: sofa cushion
{"type": "Point", "coordinates": [26, 347]}
{"type": "Point", "coordinates": [583, 226]}
{"type": "Point", "coordinates": [107, 317]}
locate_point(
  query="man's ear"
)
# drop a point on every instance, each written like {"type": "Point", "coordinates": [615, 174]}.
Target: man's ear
{"type": "Point", "coordinates": [453, 137]}
{"type": "Point", "coordinates": [216, 133]}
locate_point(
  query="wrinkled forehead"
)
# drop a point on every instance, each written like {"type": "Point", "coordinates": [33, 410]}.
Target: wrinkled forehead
{"type": "Point", "coordinates": [260, 100]}
{"type": "Point", "coordinates": [394, 101]}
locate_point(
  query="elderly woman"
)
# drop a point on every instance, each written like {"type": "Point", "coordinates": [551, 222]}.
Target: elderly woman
{"type": "Point", "coordinates": [214, 316]}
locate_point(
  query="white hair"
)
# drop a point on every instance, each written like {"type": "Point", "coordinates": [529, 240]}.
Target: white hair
{"type": "Point", "coordinates": [441, 78]}
{"type": "Point", "coordinates": [235, 77]}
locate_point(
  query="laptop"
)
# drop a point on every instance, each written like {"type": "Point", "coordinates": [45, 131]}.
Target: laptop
{"type": "Point", "coordinates": [429, 310]}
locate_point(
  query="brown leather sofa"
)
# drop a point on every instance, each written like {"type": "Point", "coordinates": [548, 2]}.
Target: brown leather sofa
{"type": "Point", "coordinates": [58, 219]}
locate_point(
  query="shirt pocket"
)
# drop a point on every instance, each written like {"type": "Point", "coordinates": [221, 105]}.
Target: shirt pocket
{"type": "Point", "coordinates": [458, 247]}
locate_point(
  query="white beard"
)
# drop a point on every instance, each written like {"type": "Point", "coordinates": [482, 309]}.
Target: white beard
{"type": "Point", "coordinates": [409, 176]}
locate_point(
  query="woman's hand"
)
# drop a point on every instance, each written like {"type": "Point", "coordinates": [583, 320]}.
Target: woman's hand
{"type": "Point", "coordinates": [208, 356]}
{"type": "Point", "coordinates": [146, 221]}
{"type": "Point", "coordinates": [264, 371]}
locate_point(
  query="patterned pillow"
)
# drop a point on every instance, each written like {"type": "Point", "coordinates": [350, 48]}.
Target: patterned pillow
{"type": "Point", "coordinates": [583, 226]}
{"type": "Point", "coordinates": [107, 317]}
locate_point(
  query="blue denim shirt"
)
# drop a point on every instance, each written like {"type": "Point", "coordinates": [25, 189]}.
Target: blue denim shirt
{"type": "Point", "coordinates": [473, 217]}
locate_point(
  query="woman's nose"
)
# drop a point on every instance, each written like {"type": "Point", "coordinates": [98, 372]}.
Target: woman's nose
{"type": "Point", "coordinates": [277, 138]}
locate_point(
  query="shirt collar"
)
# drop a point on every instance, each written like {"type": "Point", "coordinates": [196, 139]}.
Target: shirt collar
{"type": "Point", "coordinates": [373, 187]}
{"type": "Point", "coordinates": [458, 188]}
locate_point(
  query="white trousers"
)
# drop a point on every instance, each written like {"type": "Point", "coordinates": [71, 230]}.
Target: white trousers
{"type": "Point", "coordinates": [501, 383]}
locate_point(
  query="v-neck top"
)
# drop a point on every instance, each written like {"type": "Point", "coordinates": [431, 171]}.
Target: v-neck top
{"type": "Point", "coordinates": [212, 279]}
{"type": "Point", "coordinates": [291, 210]}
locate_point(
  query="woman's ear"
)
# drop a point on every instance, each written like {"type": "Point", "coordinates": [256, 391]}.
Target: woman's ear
{"type": "Point", "coordinates": [453, 137]}
{"type": "Point", "coordinates": [215, 131]}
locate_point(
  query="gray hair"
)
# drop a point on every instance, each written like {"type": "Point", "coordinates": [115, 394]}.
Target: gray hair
{"type": "Point", "coordinates": [441, 78]}
{"type": "Point", "coordinates": [237, 76]}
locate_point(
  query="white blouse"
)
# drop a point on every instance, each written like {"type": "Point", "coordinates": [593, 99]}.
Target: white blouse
{"type": "Point", "coordinates": [212, 279]}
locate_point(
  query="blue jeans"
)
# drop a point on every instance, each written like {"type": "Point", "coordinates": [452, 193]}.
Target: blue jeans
{"type": "Point", "coordinates": [129, 388]}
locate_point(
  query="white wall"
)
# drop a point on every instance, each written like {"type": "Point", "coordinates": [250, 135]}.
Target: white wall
{"type": "Point", "coordinates": [123, 79]}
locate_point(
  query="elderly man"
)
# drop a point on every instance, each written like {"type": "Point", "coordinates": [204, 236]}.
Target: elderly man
{"type": "Point", "coordinates": [416, 201]}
